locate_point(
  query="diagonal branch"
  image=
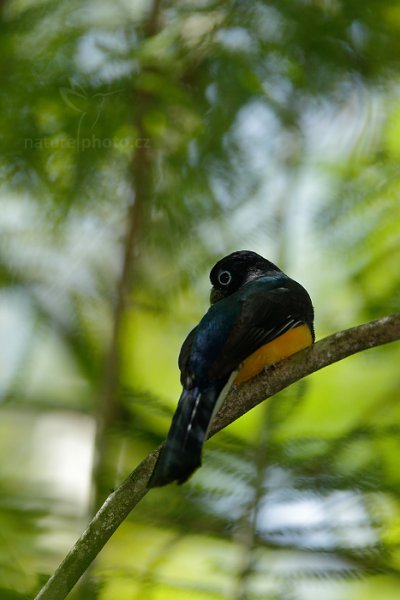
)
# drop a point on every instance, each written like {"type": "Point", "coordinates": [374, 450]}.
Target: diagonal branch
{"type": "Point", "coordinates": [240, 400]}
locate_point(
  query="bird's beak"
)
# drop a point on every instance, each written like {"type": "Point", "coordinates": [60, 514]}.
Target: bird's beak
{"type": "Point", "coordinates": [215, 295]}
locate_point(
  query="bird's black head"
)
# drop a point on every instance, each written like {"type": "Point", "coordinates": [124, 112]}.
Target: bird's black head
{"type": "Point", "coordinates": [235, 270]}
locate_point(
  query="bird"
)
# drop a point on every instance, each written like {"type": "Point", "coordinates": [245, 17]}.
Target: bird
{"type": "Point", "coordinates": [258, 315]}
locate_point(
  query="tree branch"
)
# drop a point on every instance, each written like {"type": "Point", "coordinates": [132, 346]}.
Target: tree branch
{"type": "Point", "coordinates": [240, 400]}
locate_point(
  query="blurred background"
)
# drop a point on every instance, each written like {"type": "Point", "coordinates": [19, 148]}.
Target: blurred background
{"type": "Point", "coordinates": [139, 143]}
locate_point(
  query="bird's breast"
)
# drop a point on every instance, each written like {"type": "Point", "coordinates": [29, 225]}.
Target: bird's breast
{"type": "Point", "coordinates": [283, 346]}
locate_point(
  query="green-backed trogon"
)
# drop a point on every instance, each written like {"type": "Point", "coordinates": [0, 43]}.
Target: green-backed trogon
{"type": "Point", "coordinates": [258, 316]}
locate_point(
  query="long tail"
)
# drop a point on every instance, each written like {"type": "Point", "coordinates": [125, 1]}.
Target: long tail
{"type": "Point", "coordinates": [181, 453]}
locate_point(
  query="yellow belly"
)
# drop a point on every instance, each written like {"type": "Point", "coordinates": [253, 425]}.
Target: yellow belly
{"type": "Point", "coordinates": [289, 343]}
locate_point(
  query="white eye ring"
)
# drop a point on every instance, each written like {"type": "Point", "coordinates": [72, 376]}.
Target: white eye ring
{"type": "Point", "coordinates": [224, 277]}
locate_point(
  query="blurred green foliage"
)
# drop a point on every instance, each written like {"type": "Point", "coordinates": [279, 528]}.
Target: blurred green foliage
{"type": "Point", "coordinates": [271, 126]}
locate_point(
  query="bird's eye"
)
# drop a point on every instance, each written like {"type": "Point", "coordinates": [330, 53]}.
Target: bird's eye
{"type": "Point", "coordinates": [224, 278]}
